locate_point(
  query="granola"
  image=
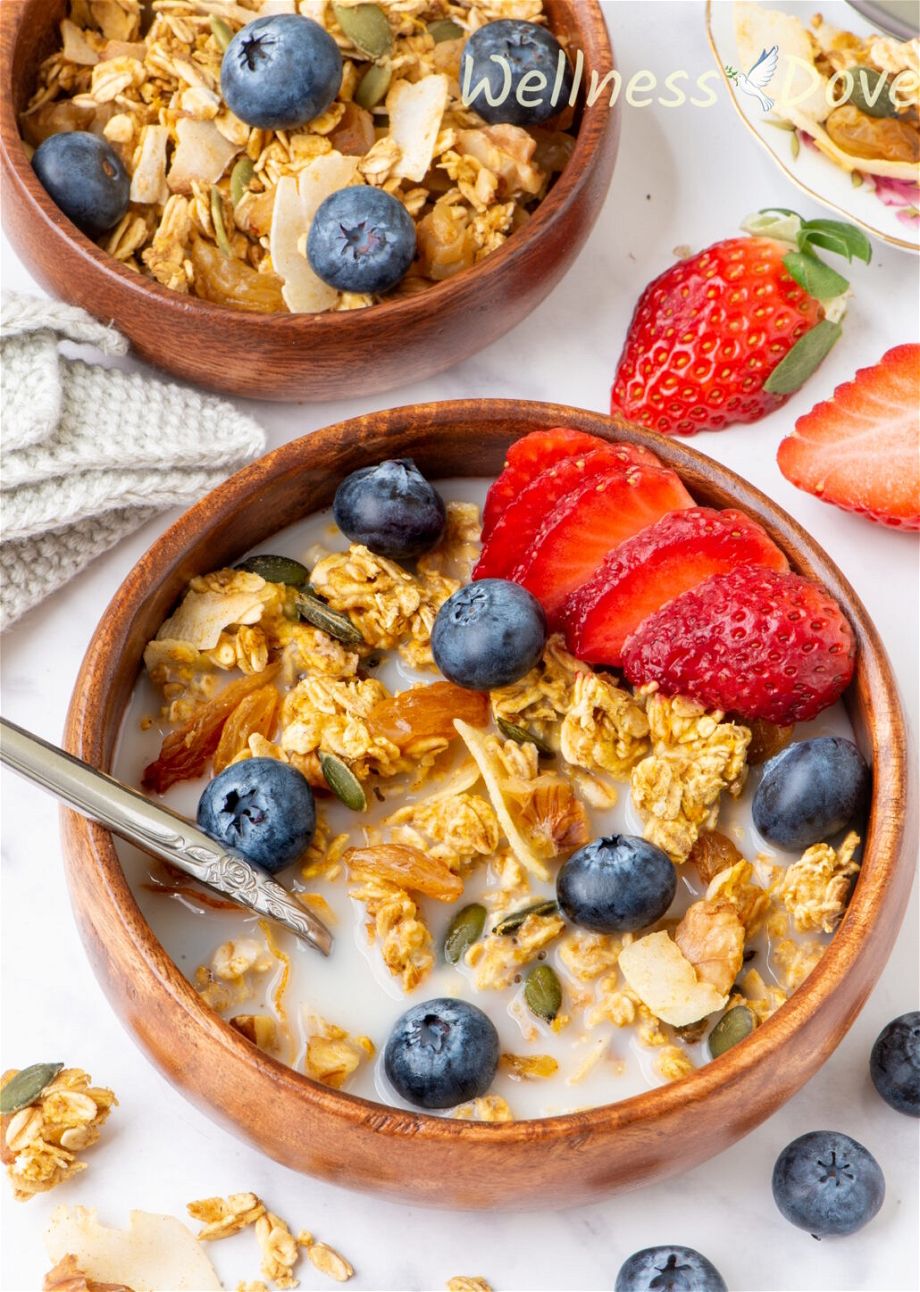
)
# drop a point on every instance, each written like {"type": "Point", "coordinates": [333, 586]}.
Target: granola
{"type": "Point", "coordinates": [221, 210]}
{"type": "Point", "coordinates": [41, 1141]}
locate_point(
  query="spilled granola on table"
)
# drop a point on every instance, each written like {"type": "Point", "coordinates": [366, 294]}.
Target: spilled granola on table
{"type": "Point", "coordinates": [216, 206]}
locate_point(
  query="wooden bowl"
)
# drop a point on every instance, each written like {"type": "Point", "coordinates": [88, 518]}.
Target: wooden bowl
{"type": "Point", "coordinates": [304, 356]}
{"type": "Point", "coordinates": [562, 1160]}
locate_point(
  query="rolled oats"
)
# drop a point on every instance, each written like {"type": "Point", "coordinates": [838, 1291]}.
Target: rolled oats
{"type": "Point", "coordinates": [815, 889]}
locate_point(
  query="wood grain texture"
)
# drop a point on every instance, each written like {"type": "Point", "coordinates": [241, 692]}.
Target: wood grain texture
{"type": "Point", "coordinates": [302, 356]}
{"type": "Point", "coordinates": [557, 1161]}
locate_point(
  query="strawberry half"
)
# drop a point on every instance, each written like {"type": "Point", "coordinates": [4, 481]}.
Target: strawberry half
{"type": "Point", "coordinates": [755, 642]}
{"type": "Point", "coordinates": [513, 533]}
{"type": "Point", "coordinates": [678, 552]}
{"type": "Point", "coordinates": [533, 453]}
{"type": "Point", "coordinates": [860, 450]}
{"type": "Point", "coordinates": [591, 519]}
{"type": "Point", "coordinates": [727, 335]}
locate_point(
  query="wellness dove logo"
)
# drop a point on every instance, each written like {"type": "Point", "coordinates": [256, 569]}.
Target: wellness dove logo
{"type": "Point", "coordinates": [758, 78]}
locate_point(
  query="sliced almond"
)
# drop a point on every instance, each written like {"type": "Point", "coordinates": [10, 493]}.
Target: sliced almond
{"type": "Point", "coordinates": [416, 112]}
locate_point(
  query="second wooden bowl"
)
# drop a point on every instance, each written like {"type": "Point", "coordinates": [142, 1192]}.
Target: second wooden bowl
{"type": "Point", "coordinates": [305, 356]}
{"type": "Point", "coordinates": [351, 1141]}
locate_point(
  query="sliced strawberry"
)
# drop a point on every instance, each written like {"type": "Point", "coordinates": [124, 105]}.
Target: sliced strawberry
{"type": "Point", "coordinates": [533, 453]}
{"type": "Point", "coordinates": [676, 553]}
{"type": "Point", "coordinates": [861, 449]}
{"type": "Point", "coordinates": [756, 642]}
{"type": "Point", "coordinates": [591, 519]}
{"type": "Point", "coordinates": [512, 536]}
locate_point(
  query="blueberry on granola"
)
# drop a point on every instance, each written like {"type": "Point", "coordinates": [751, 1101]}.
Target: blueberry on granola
{"type": "Point", "coordinates": [827, 1183]}
{"type": "Point", "coordinates": [894, 1064]}
{"type": "Point", "coordinates": [391, 509]}
{"type": "Point", "coordinates": [262, 808]}
{"type": "Point", "coordinates": [488, 634]}
{"type": "Point", "coordinates": [280, 71]}
{"type": "Point", "coordinates": [669, 1269]}
{"type": "Point", "coordinates": [442, 1053]}
{"type": "Point", "coordinates": [617, 884]}
{"type": "Point", "coordinates": [362, 239]}
{"type": "Point", "coordinates": [85, 177]}
{"type": "Point", "coordinates": [515, 72]}
{"type": "Point", "coordinates": [809, 791]}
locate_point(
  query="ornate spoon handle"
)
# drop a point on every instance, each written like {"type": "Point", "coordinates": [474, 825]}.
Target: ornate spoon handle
{"type": "Point", "coordinates": [157, 830]}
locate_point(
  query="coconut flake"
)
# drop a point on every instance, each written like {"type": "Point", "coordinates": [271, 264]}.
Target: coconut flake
{"type": "Point", "coordinates": [153, 1252]}
{"type": "Point", "coordinates": [665, 980]}
{"type": "Point", "coordinates": [148, 183]}
{"type": "Point", "coordinates": [202, 154]}
{"type": "Point", "coordinates": [296, 203]}
{"type": "Point", "coordinates": [416, 112]}
{"type": "Point", "coordinates": [76, 48]}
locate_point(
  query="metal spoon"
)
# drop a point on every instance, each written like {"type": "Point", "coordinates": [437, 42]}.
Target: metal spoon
{"type": "Point", "coordinates": [156, 830]}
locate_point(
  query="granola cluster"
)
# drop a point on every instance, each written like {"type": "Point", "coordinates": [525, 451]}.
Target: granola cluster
{"type": "Point", "coordinates": [219, 209]}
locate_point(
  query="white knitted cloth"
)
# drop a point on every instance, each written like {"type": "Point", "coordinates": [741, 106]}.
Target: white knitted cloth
{"type": "Point", "coordinates": [89, 453]}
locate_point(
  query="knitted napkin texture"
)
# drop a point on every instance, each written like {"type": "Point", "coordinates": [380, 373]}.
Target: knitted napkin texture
{"type": "Point", "coordinates": [89, 453]}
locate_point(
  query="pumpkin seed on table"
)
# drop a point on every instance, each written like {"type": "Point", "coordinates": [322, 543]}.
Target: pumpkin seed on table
{"type": "Point", "coordinates": [521, 736]}
{"type": "Point", "coordinates": [511, 923]}
{"type": "Point", "coordinates": [366, 27]}
{"type": "Point", "coordinates": [317, 613]}
{"type": "Point", "coordinates": [276, 569]}
{"type": "Point", "coordinates": [373, 86]}
{"type": "Point", "coordinates": [465, 929]}
{"type": "Point", "coordinates": [240, 179]}
{"type": "Point", "coordinates": [730, 1029]}
{"type": "Point", "coordinates": [445, 29]}
{"type": "Point", "coordinates": [27, 1086]}
{"type": "Point", "coordinates": [543, 992]}
{"type": "Point", "coordinates": [343, 782]}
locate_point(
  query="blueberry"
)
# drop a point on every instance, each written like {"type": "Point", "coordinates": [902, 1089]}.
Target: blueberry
{"type": "Point", "coordinates": [489, 634]}
{"type": "Point", "coordinates": [616, 885]}
{"type": "Point", "coordinates": [827, 1183]}
{"type": "Point", "coordinates": [261, 808]}
{"type": "Point", "coordinates": [809, 791]}
{"type": "Point", "coordinates": [441, 1053]}
{"type": "Point", "coordinates": [361, 240]}
{"type": "Point", "coordinates": [669, 1269]}
{"type": "Point", "coordinates": [390, 508]}
{"type": "Point", "coordinates": [86, 179]}
{"type": "Point", "coordinates": [510, 73]}
{"type": "Point", "coordinates": [280, 71]}
{"type": "Point", "coordinates": [894, 1064]}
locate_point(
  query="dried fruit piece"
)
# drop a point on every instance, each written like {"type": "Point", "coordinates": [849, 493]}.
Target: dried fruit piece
{"type": "Point", "coordinates": [256, 714]}
{"type": "Point", "coordinates": [27, 1086]}
{"type": "Point", "coordinates": [408, 867]}
{"type": "Point", "coordinates": [427, 712]}
{"type": "Point", "coordinates": [343, 782]}
{"type": "Point", "coordinates": [228, 281]}
{"type": "Point", "coordinates": [528, 1067]}
{"type": "Point", "coordinates": [464, 929]}
{"type": "Point", "coordinates": [543, 992]}
{"type": "Point", "coordinates": [713, 852]}
{"type": "Point", "coordinates": [767, 739]}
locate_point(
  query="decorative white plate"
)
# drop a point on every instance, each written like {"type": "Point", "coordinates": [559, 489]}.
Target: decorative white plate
{"type": "Point", "coordinates": [809, 169]}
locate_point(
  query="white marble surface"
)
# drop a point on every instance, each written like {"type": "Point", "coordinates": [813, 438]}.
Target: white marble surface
{"type": "Point", "coordinates": [684, 176]}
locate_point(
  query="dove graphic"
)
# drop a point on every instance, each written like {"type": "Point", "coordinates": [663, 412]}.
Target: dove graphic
{"type": "Point", "coordinates": [760, 75]}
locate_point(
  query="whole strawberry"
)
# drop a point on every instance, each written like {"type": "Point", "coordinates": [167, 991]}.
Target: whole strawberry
{"type": "Point", "coordinates": [729, 334]}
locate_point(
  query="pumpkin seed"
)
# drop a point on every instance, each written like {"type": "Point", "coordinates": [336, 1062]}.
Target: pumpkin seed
{"type": "Point", "coordinates": [795, 146]}
{"type": "Point", "coordinates": [366, 27]}
{"type": "Point", "coordinates": [222, 32]}
{"type": "Point", "coordinates": [730, 1029]}
{"type": "Point", "coordinates": [871, 93]}
{"type": "Point", "coordinates": [373, 85]}
{"type": "Point", "coordinates": [521, 736]}
{"type": "Point", "coordinates": [511, 923]}
{"type": "Point", "coordinates": [543, 992]}
{"type": "Point", "coordinates": [240, 177]}
{"type": "Point", "coordinates": [445, 29]}
{"type": "Point", "coordinates": [276, 569]}
{"type": "Point", "coordinates": [856, 179]}
{"type": "Point", "coordinates": [27, 1086]}
{"type": "Point", "coordinates": [320, 615]}
{"type": "Point", "coordinates": [465, 929]}
{"type": "Point", "coordinates": [217, 219]}
{"type": "Point", "coordinates": [343, 782]}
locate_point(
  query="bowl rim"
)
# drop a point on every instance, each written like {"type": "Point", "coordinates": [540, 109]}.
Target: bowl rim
{"type": "Point", "coordinates": [596, 120]}
{"type": "Point", "coordinates": [883, 837]}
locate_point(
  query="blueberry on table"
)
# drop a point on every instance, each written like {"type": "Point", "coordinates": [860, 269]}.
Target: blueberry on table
{"type": "Point", "coordinates": [261, 808]}
{"type": "Point", "coordinates": [488, 634]}
{"type": "Point", "coordinates": [441, 1053]}
{"type": "Point", "coordinates": [280, 71]}
{"type": "Point", "coordinates": [391, 509]}
{"type": "Point", "coordinates": [617, 884]}
{"type": "Point", "coordinates": [515, 72]}
{"type": "Point", "coordinates": [84, 176]}
{"type": "Point", "coordinates": [669, 1269]}
{"type": "Point", "coordinates": [361, 240]}
{"type": "Point", "coordinates": [894, 1064]}
{"type": "Point", "coordinates": [828, 1184]}
{"type": "Point", "coordinates": [809, 791]}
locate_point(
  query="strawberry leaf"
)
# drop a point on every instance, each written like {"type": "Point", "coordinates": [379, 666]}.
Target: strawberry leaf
{"type": "Point", "coordinates": [837, 236]}
{"type": "Point", "coordinates": [818, 279]}
{"type": "Point", "coordinates": [792, 372]}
